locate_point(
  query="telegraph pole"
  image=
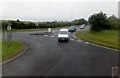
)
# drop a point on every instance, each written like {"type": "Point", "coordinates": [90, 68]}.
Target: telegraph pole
{"type": "Point", "coordinates": [71, 17]}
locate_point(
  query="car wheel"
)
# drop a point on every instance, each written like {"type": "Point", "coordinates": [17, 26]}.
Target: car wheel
{"type": "Point", "coordinates": [58, 40]}
{"type": "Point", "coordinates": [67, 40]}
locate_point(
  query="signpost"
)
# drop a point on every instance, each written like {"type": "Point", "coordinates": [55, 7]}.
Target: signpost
{"type": "Point", "coordinates": [49, 29]}
{"type": "Point", "coordinates": [37, 26]}
{"type": "Point", "coordinates": [9, 34]}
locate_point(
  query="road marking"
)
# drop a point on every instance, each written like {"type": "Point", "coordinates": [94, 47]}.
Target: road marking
{"type": "Point", "coordinates": [55, 34]}
{"type": "Point", "coordinates": [53, 31]}
{"type": "Point", "coordinates": [72, 39]}
{"type": "Point", "coordinates": [52, 36]}
{"type": "Point", "coordinates": [45, 35]}
{"type": "Point", "coordinates": [95, 45]}
{"type": "Point", "coordinates": [104, 47]}
{"type": "Point", "coordinates": [87, 42]}
{"type": "Point", "coordinates": [74, 35]}
{"type": "Point", "coordinates": [79, 41]}
{"type": "Point", "coordinates": [116, 50]}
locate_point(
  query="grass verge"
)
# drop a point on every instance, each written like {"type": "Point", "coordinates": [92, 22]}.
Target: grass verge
{"type": "Point", "coordinates": [11, 51]}
{"type": "Point", "coordinates": [107, 38]}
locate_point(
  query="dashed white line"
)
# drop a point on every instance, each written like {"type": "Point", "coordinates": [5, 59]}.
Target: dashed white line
{"type": "Point", "coordinates": [106, 47]}
{"type": "Point", "coordinates": [53, 31]}
{"type": "Point", "coordinates": [78, 40]}
{"type": "Point", "coordinates": [45, 35]}
{"type": "Point", "coordinates": [87, 42]}
{"type": "Point", "coordinates": [74, 35]}
{"type": "Point", "coordinates": [55, 34]}
{"type": "Point", "coordinates": [72, 39]}
{"type": "Point", "coordinates": [52, 36]}
{"type": "Point", "coordinates": [95, 45]}
{"type": "Point", "coordinates": [103, 46]}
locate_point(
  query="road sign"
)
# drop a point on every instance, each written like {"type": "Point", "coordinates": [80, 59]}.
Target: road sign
{"type": "Point", "coordinates": [9, 35]}
{"type": "Point", "coordinates": [49, 29]}
{"type": "Point", "coordinates": [9, 27]}
{"type": "Point", "coordinates": [36, 24]}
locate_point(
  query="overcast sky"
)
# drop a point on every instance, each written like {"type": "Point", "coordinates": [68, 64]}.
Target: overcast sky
{"type": "Point", "coordinates": [59, 10]}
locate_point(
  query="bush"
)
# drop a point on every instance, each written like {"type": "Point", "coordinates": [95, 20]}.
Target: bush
{"type": "Point", "coordinates": [98, 22]}
{"type": "Point", "coordinates": [28, 25]}
{"type": "Point", "coordinates": [79, 21]}
{"type": "Point", "coordinates": [114, 22]}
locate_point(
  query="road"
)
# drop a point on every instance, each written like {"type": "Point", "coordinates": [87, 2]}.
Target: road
{"type": "Point", "coordinates": [46, 57]}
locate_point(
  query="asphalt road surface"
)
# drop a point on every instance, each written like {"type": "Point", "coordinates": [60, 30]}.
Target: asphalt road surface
{"type": "Point", "coordinates": [46, 57]}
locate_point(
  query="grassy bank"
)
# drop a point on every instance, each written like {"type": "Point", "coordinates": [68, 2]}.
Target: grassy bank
{"type": "Point", "coordinates": [107, 38]}
{"type": "Point", "coordinates": [0, 50]}
{"type": "Point", "coordinates": [11, 51]}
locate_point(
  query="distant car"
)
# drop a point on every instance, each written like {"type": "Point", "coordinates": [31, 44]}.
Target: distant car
{"type": "Point", "coordinates": [82, 26]}
{"type": "Point", "coordinates": [63, 35]}
{"type": "Point", "coordinates": [72, 29]}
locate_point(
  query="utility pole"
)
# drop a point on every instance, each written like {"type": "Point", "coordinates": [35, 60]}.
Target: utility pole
{"type": "Point", "coordinates": [71, 17]}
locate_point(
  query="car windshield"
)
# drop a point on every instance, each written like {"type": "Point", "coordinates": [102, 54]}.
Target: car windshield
{"type": "Point", "coordinates": [63, 32]}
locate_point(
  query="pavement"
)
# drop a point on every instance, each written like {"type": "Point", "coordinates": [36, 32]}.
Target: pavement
{"type": "Point", "coordinates": [46, 57]}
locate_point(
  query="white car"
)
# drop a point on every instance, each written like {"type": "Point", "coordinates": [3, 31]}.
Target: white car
{"type": "Point", "coordinates": [82, 26]}
{"type": "Point", "coordinates": [63, 35]}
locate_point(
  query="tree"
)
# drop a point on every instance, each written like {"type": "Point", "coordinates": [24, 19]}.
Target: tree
{"type": "Point", "coordinates": [4, 25]}
{"type": "Point", "coordinates": [99, 22]}
{"type": "Point", "coordinates": [79, 21]}
{"type": "Point", "coordinates": [18, 20]}
{"type": "Point", "coordinates": [113, 21]}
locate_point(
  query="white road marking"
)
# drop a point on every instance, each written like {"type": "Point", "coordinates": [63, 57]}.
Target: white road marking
{"type": "Point", "coordinates": [87, 42]}
{"type": "Point", "coordinates": [104, 47]}
{"type": "Point", "coordinates": [116, 50]}
{"type": "Point", "coordinates": [52, 36]}
{"type": "Point", "coordinates": [78, 40]}
{"type": "Point", "coordinates": [74, 35]}
{"type": "Point", "coordinates": [72, 39]}
{"type": "Point", "coordinates": [95, 44]}
{"type": "Point", "coordinates": [53, 31]}
{"type": "Point", "coordinates": [45, 35]}
{"type": "Point", "coordinates": [55, 34]}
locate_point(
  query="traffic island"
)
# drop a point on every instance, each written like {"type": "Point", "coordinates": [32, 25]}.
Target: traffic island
{"type": "Point", "coordinates": [11, 52]}
{"type": "Point", "coordinates": [41, 33]}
